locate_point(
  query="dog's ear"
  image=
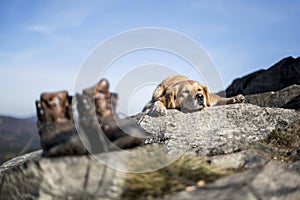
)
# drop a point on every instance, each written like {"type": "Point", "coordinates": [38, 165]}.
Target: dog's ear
{"type": "Point", "coordinates": [169, 99]}
{"type": "Point", "coordinates": [206, 95]}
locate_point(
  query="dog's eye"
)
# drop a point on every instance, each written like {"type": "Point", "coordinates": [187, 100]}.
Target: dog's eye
{"type": "Point", "coordinates": [199, 89]}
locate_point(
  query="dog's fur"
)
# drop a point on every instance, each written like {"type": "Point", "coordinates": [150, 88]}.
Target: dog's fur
{"type": "Point", "coordinates": [179, 92]}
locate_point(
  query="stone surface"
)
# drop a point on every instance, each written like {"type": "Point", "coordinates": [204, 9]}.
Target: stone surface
{"type": "Point", "coordinates": [275, 180]}
{"type": "Point", "coordinates": [295, 154]}
{"type": "Point", "coordinates": [281, 75]}
{"type": "Point", "coordinates": [286, 98]}
{"type": "Point", "coordinates": [212, 132]}
{"type": "Point", "coordinates": [217, 130]}
{"type": "Point", "coordinates": [20, 160]}
{"type": "Point", "coordinates": [244, 159]}
{"type": "Point", "coordinates": [71, 177]}
{"type": "Point", "coordinates": [293, 104]}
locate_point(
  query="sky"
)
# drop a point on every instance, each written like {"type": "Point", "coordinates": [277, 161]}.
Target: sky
{"type": "Point", "coordinates": [45, 44]}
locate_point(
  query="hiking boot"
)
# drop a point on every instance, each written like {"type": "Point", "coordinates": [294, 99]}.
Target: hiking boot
{"type": "Point", "coordinates": [58, 135]}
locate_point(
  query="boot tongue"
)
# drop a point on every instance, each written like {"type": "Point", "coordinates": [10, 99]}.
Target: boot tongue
{"type": "Point", "coordinates": [53, 107]}
{"type": "Point", "coordinates": [103, 86]}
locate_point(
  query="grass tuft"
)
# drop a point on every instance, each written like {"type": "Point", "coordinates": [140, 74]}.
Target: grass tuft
{"type": "Point", "coordinates": [186, 171]}
{"type": "Point", "coordinates": [287, 138]}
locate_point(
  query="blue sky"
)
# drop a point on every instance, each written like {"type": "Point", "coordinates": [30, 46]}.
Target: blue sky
{"type": "Point", "coordinates": [44, 43]}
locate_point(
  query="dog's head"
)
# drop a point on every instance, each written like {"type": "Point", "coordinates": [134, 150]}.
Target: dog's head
{"type": "Point", "coordinates": [188, 96]}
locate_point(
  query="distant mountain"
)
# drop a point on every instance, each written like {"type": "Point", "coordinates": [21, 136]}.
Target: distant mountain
{"type": "Point", "coordinates": [17, 136]}
{"type": "Point", "coordinates": [33, 118]}
{"type": "Point", "coordinates": [281, 75]}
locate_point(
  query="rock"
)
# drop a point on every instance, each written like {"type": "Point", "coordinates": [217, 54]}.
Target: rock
{"type": "Point", "coordinates": [214, 128]}
{"type": "Point", "coordinates": [286, 139]}
{"type": "Point", "coordinates": [281, 75]}
{"type": "Point", "coordinates": [70, 177]}
{"type": "Point", "coordinates": [295, 166]}
{"type": "Point", "coordinates": [212, 132]}
{"type": "Point", "coordinates": [20, 160]}
{"type": "Point", "coordinates": [293, 104]}
{"type": "Point", "coordinates": [295, 154]}
{"type": "Point", "coordinates": [276, 180]}
{"type": "Point", "coordinates": [286, 98]}
{"type": "Point", "coordinates": [244, 159]}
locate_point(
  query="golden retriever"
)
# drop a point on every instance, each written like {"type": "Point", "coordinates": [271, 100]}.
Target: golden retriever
{"type": "Point", "coordinates": [179, 92]}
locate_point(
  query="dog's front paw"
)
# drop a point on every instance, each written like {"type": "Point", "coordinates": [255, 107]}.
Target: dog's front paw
{"type": "Point", "coordinates": [239, 98]}
{"type": "Point", "coordinates": [157, 109]}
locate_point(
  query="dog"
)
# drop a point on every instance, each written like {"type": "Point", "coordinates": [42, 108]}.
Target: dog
{"type": "Point", "coordinates": [179, 92]}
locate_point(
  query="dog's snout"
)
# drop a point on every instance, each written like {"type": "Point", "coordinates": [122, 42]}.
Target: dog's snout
{"type": "Point", "coordinates": [200, 98]}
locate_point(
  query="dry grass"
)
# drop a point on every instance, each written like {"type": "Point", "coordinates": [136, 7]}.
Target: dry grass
{"type": "Point", "coordinates": [283, 141]}
{"type": "Point", "coordinates": [186, 171]}
{"type": "Point", "coordinates": [287, 138]}
{"type": "Point", "coordinates": [190, 169]}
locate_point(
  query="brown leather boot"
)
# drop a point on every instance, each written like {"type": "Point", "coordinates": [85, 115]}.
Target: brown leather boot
{"type": "Point", "coordinates": [57, 132]}
{"type": "Point", "coordinates": [119, 134]}
{"type": "Point", "coordinates": [98, 128]}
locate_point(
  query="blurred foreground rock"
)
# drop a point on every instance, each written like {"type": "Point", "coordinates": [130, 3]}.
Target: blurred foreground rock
{"type": "Point", "coordinates": [275, 180]}
{"type": "Point", "coordinates": [226, 136]}
{"type": "Point", "coordinates": [70, 177]}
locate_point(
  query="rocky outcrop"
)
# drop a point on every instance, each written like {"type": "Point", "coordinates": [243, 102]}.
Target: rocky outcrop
{"type": "Point", "coordinates": [243, 159]}
{"type": "Point", "coordinates": [281, 75]}
{"type": "Point", "coordinates": [206, 131]}
{"type": "Point", "coordinates": [20, 160]}
{"type": "Point", "coordinates": [286, 98]}
{"type": "Point", "coordinates": [275, 180]}
{"type": "Point", "coordinates": [70, 177]}
{"type": "Point", "coordinates": [227, 137]}
{"type": "Point", "coordinates": [293, 104]}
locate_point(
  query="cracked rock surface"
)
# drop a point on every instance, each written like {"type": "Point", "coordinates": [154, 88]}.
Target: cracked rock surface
{"type": "Point", "coordinates": [208, 132]}
{"type": "Point", "coordinates": [224, 135]}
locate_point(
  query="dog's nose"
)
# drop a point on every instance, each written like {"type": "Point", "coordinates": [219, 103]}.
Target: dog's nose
{"type": "Point", "coordinates": [200, 98]}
